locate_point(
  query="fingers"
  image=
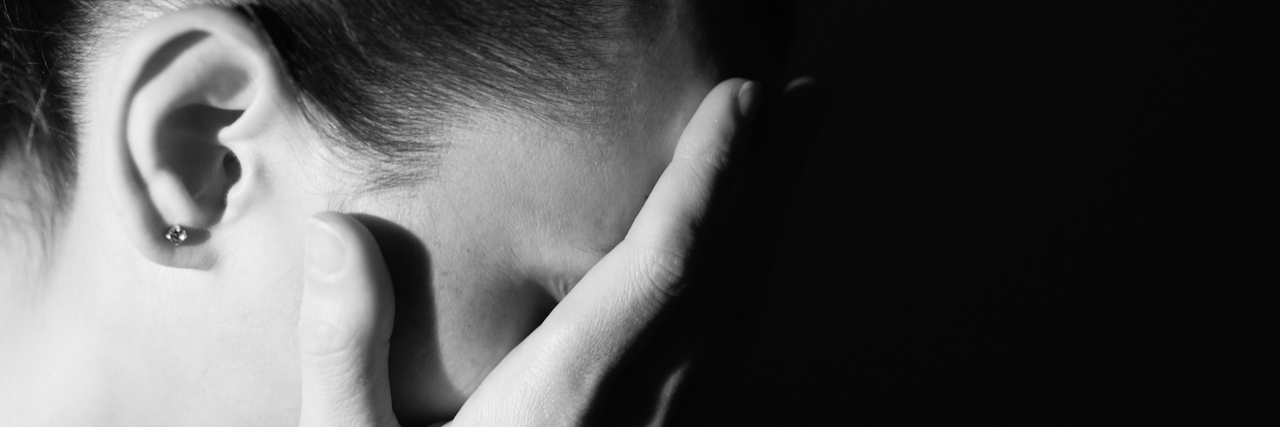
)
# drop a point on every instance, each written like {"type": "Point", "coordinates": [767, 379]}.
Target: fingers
{"type": "Point", "coordinates": [552, 377]}
{"type": "Point", "coordinates": [635, 280]}
{"type": "Point", "coordinates": [782, 143]}
{"type": "Point", "coordinates": [621, 297]}
{"type": "Point", "coordinates": [344, 326]}
{"type": "Point", "coordinates": [648, 266]}
{"type": "Point", "coordinates": [682, 194]}
{"type": "Point", "coordinates": [802, 108]}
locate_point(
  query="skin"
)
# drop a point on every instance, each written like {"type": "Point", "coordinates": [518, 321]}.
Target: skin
{"type": "Point", "coordinates": [120, 327]}
{"type": "Point", "coordinates": [554, 377]}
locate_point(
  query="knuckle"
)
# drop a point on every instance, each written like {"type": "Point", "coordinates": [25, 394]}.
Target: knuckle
{"type": "Point", "coordinates": [319, 338]}
{"type": "Point", "coordinates": [709, 160]}
{"type": "Point", "coordinates": [661, 270]}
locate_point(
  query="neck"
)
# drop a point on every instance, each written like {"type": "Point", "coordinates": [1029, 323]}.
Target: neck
{"type": "Point", "coordinates": [51, 321]}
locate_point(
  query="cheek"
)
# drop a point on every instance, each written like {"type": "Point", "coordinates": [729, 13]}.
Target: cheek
{"type": "Point", "coordinates": [458, 310]}
{"type": "Point", "coordinates": [578, 211]}
{"type": "Point", "coordinates": [604, 223]}
{"type": "Point", "coordinates": [499, 225]}
{"type": "Point", "coordinates": [596, 203]}
{"type": "Point", "coordinates": [439, 355]}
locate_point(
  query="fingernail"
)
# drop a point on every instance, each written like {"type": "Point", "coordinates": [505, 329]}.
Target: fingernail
{"type": "Point", "coordinates": [325, 254]}
{"type": "Point", "coordinates": [799, 82]}
{"type": "Point", "coordinates": [748, 95]}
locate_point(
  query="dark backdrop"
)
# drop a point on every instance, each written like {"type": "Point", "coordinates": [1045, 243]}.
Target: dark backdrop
{"type": "Point", "coordinates": [1014, 214]}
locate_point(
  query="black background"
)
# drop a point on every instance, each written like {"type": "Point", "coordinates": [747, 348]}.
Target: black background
{"type": "Point", "coordinates": [1012, 214]}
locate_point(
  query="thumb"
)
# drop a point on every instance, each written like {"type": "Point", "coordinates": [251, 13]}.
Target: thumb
{"type": "Point", "coordinates": [344, 326]}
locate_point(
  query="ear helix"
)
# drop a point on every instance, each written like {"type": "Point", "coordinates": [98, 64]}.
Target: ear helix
{"type": "Point", "coordinates": [186, 86]}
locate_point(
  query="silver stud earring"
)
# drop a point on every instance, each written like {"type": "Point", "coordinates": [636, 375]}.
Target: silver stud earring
{"type": "Point", "coordinates": [176, 234]}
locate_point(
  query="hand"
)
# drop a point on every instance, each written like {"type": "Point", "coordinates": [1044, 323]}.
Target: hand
{"type": "Point", "coordinates": [554, 376]}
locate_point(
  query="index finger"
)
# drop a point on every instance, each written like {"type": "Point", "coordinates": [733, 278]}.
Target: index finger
{"type": "Point", "coordinates": [564, 363]}
{"type": "Point", "coordinates": [649, 265]}
{"type": "Point", "coordinates": [682, 195]}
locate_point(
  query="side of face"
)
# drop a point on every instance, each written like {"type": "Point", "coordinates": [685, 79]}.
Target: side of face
{"type": "Point", "coordinates": [192, 122]}
{"type": "Point", "coordinates": [519, 210]}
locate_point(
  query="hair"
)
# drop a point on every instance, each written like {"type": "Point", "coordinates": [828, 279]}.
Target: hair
{"type": "Point", "coordinates": [393, 73]}
{"type": "Point", "coordinates": [381, 77]}
{"type": "Point", "coordinates": [37, 152]}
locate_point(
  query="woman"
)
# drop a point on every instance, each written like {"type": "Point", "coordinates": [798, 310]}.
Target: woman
{"type": "Point", "coordinates": [164, 161]}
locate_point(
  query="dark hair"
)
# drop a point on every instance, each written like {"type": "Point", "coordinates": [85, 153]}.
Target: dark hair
{"type": "Point", "coordinates": [392, 73]}
{"type": "Point", "coordinates": [34, 118]}
{"type": "Point", "coordinates": [387, 74]}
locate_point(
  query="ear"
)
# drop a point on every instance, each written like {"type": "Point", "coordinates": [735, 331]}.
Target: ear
{"type": "Point", "coordinates": [192, 97]}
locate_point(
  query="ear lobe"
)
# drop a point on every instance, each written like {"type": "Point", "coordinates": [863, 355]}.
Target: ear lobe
{"type": "Point", "coordinates": [192, 91]}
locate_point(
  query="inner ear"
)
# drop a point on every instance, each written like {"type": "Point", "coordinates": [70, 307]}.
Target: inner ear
{"type": "Point", "coordinates": [192, 152]}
